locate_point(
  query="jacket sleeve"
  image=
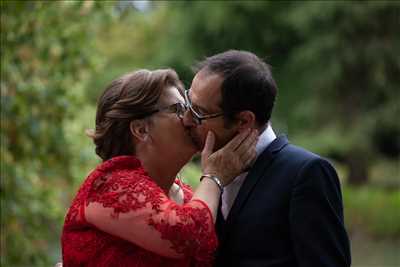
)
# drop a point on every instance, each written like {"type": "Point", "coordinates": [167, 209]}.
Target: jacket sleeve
{"type": "Point", "coordinates": [140, 212]}
{"type": "Point", "coordinates": [316, 217]}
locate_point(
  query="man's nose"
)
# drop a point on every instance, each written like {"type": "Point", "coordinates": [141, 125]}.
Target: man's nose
{"type": "Point", "coordinates": [187, 119]}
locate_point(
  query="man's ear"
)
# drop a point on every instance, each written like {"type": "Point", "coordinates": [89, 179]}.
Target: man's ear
{"type": "Point", "coordinates": [246, 119]}
{"type": "Point", "coordinates": [139, 129]}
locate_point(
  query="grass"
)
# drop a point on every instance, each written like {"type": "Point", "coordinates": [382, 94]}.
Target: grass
{"type": "Point", "coordinates": [369, 252]}
{"type": "Point", "coordinates": [373, 210]}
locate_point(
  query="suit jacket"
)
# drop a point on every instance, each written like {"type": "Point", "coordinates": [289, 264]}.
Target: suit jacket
{"type": "Point", "coordinates": [288, 213]}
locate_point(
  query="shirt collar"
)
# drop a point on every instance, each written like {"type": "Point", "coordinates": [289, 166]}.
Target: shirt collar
{"type": "Point", "coordinates": [265, 139]}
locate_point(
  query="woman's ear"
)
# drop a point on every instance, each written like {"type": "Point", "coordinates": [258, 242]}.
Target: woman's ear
{"type": "Point", "coordinates": [139, 129]}
{"type": "Point", "coordinates": [246, 119]}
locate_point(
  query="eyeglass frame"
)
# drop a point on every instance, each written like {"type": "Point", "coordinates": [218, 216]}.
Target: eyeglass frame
{"type": "Point", "coordinates": [183, 106]}
{"type": "Point", "coordinates": [198, 118]}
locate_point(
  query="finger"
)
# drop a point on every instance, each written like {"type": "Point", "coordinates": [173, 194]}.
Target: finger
{"type": "Point", "coordinates": [250, 155]}
{"type": "Point", "coordinates": [237, 140]}
{"type": "Point", "coordinates": [209, 145]}
{"type": "Point", "coordinates": [247, 154]}
{"type": "Point", "coordinates": [249, 143]}
{"type": "Point", "coordinates": [249, 160]}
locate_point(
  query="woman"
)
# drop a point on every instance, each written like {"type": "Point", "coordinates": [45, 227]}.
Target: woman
{"type": "Point", "coordinates": [131, 210]}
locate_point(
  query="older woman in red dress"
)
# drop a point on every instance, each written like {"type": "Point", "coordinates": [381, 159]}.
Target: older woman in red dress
{"type": "Point", "coordinates": [131, 210]}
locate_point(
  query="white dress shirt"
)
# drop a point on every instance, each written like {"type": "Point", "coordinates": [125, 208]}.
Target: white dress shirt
{"type": "Point", "coordinates": [232, 189]}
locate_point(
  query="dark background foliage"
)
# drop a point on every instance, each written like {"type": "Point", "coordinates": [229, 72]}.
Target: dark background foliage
{"type": "Point", "coordinates": [337, 65]}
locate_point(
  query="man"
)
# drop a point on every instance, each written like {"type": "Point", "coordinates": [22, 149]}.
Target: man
{"type": "Point", "coordinates": [286, 211]}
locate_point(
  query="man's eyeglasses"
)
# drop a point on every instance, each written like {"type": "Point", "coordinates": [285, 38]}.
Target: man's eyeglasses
{"type": "Point", "coordinates": [198, 117]}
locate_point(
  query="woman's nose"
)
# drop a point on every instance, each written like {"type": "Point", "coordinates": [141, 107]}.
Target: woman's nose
{"type": "Point", "coordinates": [187, 119]}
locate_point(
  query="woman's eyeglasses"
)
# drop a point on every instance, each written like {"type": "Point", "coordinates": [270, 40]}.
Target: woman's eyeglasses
{"type": "Point", "coordinates": [178, 108]}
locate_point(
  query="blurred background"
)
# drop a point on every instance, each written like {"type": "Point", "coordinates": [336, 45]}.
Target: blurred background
{"type": "Point", "coordinates": [337, 65]}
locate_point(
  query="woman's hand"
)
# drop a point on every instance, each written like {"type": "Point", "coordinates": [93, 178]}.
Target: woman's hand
{"type": "Point", "coordinates": [232, 159]}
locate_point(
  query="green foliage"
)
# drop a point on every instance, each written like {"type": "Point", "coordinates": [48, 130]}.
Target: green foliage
{"type": "Point", "coordinates": [337, 65]}
{"type": "Point", "coordinates": [354, 49]}
{"type": "Point", "coordinates": [128, 43]}
{"type": "Point", "coordinates": [354, 98]}
{"type": "Point", "coordinates": [191, 174]}
{"type": "Point", "coordinates": [372, 210]}
{"type": "Point", "coordinates": [258, 26]}
{"type": "Point", "coordinates": [47, 55]}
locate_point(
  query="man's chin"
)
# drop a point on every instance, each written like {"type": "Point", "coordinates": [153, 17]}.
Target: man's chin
{"type": "Point", "coordinates": [199, 143]}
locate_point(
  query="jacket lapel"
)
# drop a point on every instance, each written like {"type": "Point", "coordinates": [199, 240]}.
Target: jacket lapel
{"type": "Point", "coordinates": [220, 223]}
{"type": "Point", "coordinates": [256, 172]}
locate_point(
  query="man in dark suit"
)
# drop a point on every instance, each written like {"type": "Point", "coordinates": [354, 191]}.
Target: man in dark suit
{"type": "Point", "coordinates": [286, 211]}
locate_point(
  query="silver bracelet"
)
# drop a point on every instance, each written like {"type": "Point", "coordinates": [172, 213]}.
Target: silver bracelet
{"type": "Point", "coordinates": [215, 179]}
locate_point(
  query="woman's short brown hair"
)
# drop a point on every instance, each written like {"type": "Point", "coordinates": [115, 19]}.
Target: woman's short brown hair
{"type": "Point", "coordinates": [133, 96]}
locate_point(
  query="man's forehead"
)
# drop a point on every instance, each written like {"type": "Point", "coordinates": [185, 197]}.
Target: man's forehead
{"type": "Point", "coordinates": [206, 85]}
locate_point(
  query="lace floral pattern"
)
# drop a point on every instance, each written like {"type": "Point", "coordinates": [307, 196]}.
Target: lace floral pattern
{"type": "Point", "coordinates": [137, 224]}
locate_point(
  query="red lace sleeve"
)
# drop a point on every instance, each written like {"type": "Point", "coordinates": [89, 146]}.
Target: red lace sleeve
{"type": "Point", "coordinates": [128, 204]}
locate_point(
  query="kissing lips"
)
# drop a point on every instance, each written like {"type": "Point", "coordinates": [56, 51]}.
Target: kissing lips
{"type": "Point", "coordinates": [195, 140]}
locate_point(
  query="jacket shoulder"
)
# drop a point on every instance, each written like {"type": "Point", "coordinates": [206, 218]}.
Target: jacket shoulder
{"type": "Point", "coordinates": [299, 154]}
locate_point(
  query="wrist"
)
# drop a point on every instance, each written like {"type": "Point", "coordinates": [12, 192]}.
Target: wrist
{"type": "Point", "coordinates": [215, 179]}
{"type": "Point", "coordinates": [219, 174]}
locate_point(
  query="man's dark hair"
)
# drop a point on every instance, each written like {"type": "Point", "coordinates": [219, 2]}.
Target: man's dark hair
{"type": "Point", "coordinates": [247, 83]}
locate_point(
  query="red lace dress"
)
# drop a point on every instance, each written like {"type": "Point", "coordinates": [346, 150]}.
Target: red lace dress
{"type": "Point", "coordinates": [120, 217]}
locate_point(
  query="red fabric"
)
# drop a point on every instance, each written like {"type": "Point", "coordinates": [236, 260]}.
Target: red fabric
{"type": "Point", "coordinates": [120, 217]}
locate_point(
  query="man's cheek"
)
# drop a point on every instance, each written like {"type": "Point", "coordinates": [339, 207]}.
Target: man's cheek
{"type": "Point", "coordinates": [202, 139]}
{"type": "Point", "coordinates": [198, 138]}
